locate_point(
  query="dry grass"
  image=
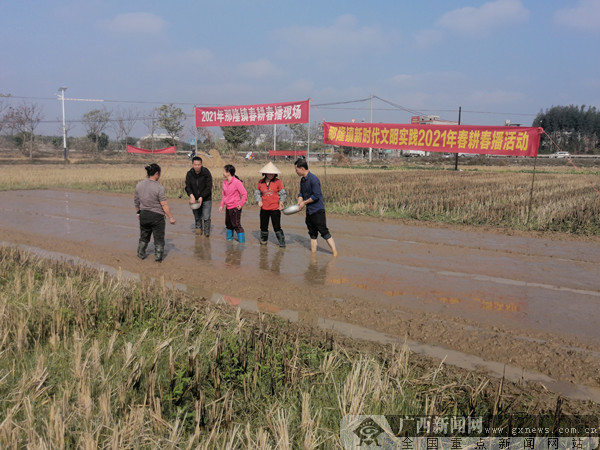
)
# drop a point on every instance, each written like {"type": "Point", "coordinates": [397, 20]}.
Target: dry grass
{"type": "Point", "coordinates": [89, 361]}
{"type": "Point", "coordinates": [563, 200]}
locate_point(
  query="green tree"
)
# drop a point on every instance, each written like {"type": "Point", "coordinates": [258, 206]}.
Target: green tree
{"type": "Point", "coordinates": [95, 123]}
{"type": "Point", "coordinates": [100, 140]}
{"type": "Point", "coordinates": [235, 136]}
{"type": "Point", "coordinates": [572, 128]}
{"type": "Point", "coordinates": [171, 119]}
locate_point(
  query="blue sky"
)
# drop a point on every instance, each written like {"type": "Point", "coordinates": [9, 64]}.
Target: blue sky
{"type": "Point", "coordinates": [497, 59]}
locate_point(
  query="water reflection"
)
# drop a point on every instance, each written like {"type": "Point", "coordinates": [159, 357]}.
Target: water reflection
{"type": "Point", "coordinates": [275, 264]}
{"type": "Point", "coordinates": [202, 248]}
{"type": "Point", "coordinates": [317, 273]}
{"type": "Point", "coordinates": [233, 253]}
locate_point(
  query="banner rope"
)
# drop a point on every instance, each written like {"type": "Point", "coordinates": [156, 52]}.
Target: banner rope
{"type": "Point", "coordinates": [365, 194]}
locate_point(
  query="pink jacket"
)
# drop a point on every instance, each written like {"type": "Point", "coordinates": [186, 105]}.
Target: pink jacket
{"type": "Point", "coordinates": [234, 194]}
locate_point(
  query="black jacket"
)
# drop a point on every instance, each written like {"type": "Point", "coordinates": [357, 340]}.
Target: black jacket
{"type": "Point", "coordinates": [199, 184]}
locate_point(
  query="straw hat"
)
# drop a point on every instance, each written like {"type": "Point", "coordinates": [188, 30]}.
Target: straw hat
{"type": "Point", "coordinates": [270, 168]}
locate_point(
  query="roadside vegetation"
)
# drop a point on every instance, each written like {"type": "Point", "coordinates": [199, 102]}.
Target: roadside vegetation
{"type": "Point", "coordinates": [91, 361]}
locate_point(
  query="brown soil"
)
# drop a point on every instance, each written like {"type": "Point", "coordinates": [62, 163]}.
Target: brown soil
{"type": "Point", "coordinates": [475, 297]}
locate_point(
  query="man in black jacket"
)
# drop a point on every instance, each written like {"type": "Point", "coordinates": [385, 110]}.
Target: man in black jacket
{"type": "Point", "coordinates": [198, 185]}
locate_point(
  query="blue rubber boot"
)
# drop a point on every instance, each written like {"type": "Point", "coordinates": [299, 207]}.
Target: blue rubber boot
{"type": "Point", "coordinates": [241, 238]}
{"type": "Point", "coordinates": [230, 235]}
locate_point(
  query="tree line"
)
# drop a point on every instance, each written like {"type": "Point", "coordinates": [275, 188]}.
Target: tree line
{"type": "Point", "coordinates": [572, 128]}
{"type": "Point", "coordinates": [19, 124]}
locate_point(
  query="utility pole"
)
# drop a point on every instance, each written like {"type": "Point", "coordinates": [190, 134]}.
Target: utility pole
{"type": "Point", "coordinates": [62, 90]}
{"type": "Point", "coordinates": [62, 98]}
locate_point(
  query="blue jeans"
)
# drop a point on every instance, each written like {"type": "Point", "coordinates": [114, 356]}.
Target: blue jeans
{"type": "Point", "coordinates": [202, 213]}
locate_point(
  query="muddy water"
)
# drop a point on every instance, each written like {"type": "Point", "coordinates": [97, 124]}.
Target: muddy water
{"type": "Point", "coordinates": [529, 302]}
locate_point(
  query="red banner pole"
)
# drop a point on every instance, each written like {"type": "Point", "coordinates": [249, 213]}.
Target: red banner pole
{"type": "Point", "coordinates": [531, 191]}
{"type": "Point", "coordinates": [308, 134]}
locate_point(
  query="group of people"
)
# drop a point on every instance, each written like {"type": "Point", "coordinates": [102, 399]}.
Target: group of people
{"type": "Point", "coordinates": [152, 208]}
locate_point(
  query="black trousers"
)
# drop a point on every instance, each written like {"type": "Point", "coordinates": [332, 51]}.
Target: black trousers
{"type": "Point", "coordinates": [274, 215]}
{"type": "Point", "coordinates": [152, 223]}
{"type": "Point", "coordinates": [317, 223]}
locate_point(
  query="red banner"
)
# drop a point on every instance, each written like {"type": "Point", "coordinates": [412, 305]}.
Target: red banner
{"type": "Point", "coordinates": [267, 114]}
{"type": "Point", "coordinates": [162, 151]}
{"type": "Point", "coordinates": [489, 140]}
{"type": "Point", "coordinates": [287, 153]}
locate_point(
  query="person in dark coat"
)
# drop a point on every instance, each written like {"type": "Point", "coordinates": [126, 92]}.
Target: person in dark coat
{"type": "Point", "coordinates": [198, 186]}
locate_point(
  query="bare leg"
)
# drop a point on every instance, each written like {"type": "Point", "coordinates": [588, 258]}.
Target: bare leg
{"type": "Point", "coordinates": [331, 244]}
{"type": "Point", "coordinates": [313, 245]}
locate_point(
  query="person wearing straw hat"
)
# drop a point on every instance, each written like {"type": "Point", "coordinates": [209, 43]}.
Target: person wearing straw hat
{"type": "Point", "coordinates": [270, 196]}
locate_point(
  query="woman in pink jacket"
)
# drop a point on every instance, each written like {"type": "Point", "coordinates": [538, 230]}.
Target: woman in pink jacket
{"type": "Point", "coordinates": [233, 199]}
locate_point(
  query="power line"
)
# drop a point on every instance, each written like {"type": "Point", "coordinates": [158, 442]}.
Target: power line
{"type": "Point", "coordinates": [412, 111]}
{"type": "Point", "coordinates": [341, 103]}
{"type": "Point", "coordinates": [320, 105]}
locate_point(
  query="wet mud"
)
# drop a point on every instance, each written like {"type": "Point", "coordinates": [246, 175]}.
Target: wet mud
{"type": "Point", "coordinates": [528, 304]}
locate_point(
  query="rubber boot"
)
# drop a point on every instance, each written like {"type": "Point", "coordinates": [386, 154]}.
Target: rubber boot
{"type": "Point", "coordinates": [264, 237]}
{"type": "Point", "coordinates": [206, 227]}
{"type": "Point", "coordinates": [142, 249]}
{"type": "Point", "coordinates": [280, 238]}
{"type": "Point", "coordinates": [159, 253]}
{"type": "Point", "coordinates": [241, 238]}
{"type": "Point", "coordinates": [230, 235]}
{"type": "Point", "coordinates": [199, 228]}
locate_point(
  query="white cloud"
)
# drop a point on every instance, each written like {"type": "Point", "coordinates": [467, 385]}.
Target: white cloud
{"type": "Point", "coordinates": [260, 68]}
{"type": "Point", "coordinates": [135, 23]}
{"type": "Point", "coordinates": [344, 35]}
{"type": "Point", "coordinates": [482, 21]}
{"type": "Point", "coordinates": [583, 16]}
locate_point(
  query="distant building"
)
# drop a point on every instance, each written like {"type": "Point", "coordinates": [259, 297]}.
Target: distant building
{"type": "Point", "coordinates": [157, 137]}
{"type": "Point", "coordinates": [146, 141]}
{"type": "Point", "coordinates": [425, 120]}
{"type": "Point", "coordinates": [431, 120]}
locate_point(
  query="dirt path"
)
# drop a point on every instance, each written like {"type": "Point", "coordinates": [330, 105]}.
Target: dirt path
{"type": "Point", "coordinates": [522, 305]}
